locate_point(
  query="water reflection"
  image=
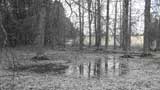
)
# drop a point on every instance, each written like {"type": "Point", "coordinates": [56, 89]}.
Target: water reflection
{"type": "Point", "coordinates": [123, 67]}
{"type": "Point", "coordinates": [101, 67]}
{"type": "Point", "coordinates": [97, 68]}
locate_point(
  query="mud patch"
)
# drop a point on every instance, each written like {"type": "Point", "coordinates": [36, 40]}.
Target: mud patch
{"type": "Point", "coordinates": [43, 68]}
{"type": "Point", "coordinates": [39, 58]}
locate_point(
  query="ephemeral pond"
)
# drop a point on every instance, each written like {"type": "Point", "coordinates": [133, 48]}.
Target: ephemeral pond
{"type": "Point", "coordinates": [100, 68]}
{"type": "Point", "coordinates": [83, 71]}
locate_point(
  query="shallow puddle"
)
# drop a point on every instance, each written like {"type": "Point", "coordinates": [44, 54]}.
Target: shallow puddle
{"type": "Point", "coordinates": [100, 67]}
{"type": "Point", "coordinates": [110, 66]}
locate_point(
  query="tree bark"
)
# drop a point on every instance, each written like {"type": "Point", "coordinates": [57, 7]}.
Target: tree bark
{"type": "Point", "coordinates": [41, 34]}
{"type": "Point", "coordinates": [130, 24]}
{"type": "Point", "coordinates": [89, 22]}
{"type": "Point", "coordinates": [80, 27]}
{"type": "Point", "coordinates": [125, 26]}
{"type": "Point", "coordinates": [158, 36]}
{"type": "Point", "coordinates": [121, 30]}
{"type": "Point", "coordinates": [83, 12]}
{"type": "Point", "coordinates": [99, 25]}
{"type": "Point", "coordinates": [3, 36]}
{"type": "Point", "coordinates": [115, 25]}
{"type": "Point", "coordinates": [107, 24]}
{"type": "Point", "coordinates": [147, 26]}
{"type": "Point", "coordinates": [95, 22]}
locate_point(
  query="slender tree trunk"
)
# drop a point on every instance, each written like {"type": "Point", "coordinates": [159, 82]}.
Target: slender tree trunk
{"type": "Point", "coordinates": [99, 24]}
{"type": "Point", "coordinates": [64, 38]}
{"type": "Point", "coordinates": [107, 24]}
{"type": "Point", "coordinates": [147, 26]}
{"type": "Point", "coordinates": [89, 22]}
{"type": "Point", "coordinates": [80, 27]}
{"type": "Point", "coordinates": [121, 30]}
{"type": "Point", "coordinates": [83, 12]}
{"type": "Point", "coordinates": [41, 27]}
{"type": "Point", "coordinates": [125, 26]}
{"type": "Point", "coordinates": [158, 36]}
{"type": "Point", "coordinates": [130, 24]}
{"type": "Point", "coordinates": [3, 33]}
{"type": "Point", "coordinates": [95, 23]}
{"type": "Point", "coordinates": [115, 25]}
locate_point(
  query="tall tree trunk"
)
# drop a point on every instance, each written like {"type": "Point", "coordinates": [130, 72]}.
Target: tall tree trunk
{"type": "Point", "coordinates": [125, 26]}
{"type": "Point", "coordinates": [115, 25]}
{"type": "Point", "coordinates": [130, 24]}
{"type": "Point", "coordinates": [99, 24]}
{"type": "Point", "coordinates": [89, 22]}
{"type": "Point", "coordinates": [3, 33]}
{"type": "Point", "coordinates": [80, 26]}
{"type": "Point", "coordinates": [95, 22]}
{"type": "Point", "coordinates": [41, 28]}
{"type": "Point", "coordinates": [121, 30]}
{"type": "Point", "coordinates": [83, 12]}
{"type": "Point", "coordinates": [147, 26]}
{"type": "Point", "coordinates": [107, 24]}
{"type": "Point", "coordinates": [158, 36]}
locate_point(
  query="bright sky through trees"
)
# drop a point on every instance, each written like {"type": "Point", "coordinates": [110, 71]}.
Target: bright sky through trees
{"type": "Point", "coordinates": [137, 13]}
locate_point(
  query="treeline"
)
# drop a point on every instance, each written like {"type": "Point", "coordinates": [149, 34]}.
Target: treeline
{"type": "Point", "coordinates": [43, 22]}
{"type": "Point", "coordinates": [123, 22]}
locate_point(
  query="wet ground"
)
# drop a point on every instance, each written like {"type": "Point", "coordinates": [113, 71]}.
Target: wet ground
{"type": "Point", "coordinates": [86, 71]}
{"type": "Point", "coordinates": [100, 68]}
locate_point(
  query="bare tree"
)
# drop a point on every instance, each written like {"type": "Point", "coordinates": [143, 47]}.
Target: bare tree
{"type": "Point", "coordinates": [120, 25]}
{"type": "Point", "coordinates": [115, 25]}
{"type": "Point", "coordinates": [95, 21]}
{"type": "Point", "coordinates": [107, 24]}
{"type": "Point", "coordinates": [83, 22]}
{"type": "Point", "coordinates": [41, 29]}
{"type": "Point", "coordinates": [147, 27]}
{"type": "Point", "coordinates": [3, 33]}
{"type": "Point", "coordinates": [130, 23]}
{"type": "Point", "coordinates": [98, 24]}
{"type": "Point", "coordinates": [80, 27]}
{"type": "Point", "coordinates": [89, 22]}
{"type": "Point", "coordinates": [125, 26]}
{"type": "Point", "coordinates": [157, 34]}
{"type": "Point", "coordinates": [158, 41]}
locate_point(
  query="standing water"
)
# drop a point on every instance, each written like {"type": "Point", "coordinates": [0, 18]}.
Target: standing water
{"type": "Point", "coordinates": [100, 67]}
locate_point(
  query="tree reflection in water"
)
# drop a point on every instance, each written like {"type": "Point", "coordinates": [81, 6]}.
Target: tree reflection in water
{"type": "Point", "coordinates": [100, 67]}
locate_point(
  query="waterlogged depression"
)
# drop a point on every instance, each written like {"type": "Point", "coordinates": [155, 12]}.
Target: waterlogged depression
{"type": "Point", "coordinates": [100, 67]}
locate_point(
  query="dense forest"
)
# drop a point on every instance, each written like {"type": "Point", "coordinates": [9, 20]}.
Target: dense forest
{"type": "Point", "coordinates": [21, 24]}
{"type": "Point", "coordinates": [23, 20]}
{"type": "Point", "coordinates": [79, 39]}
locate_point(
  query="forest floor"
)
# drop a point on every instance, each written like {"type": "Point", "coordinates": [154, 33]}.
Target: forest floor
{"type": "Point", "coordinates": [77, 70]}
